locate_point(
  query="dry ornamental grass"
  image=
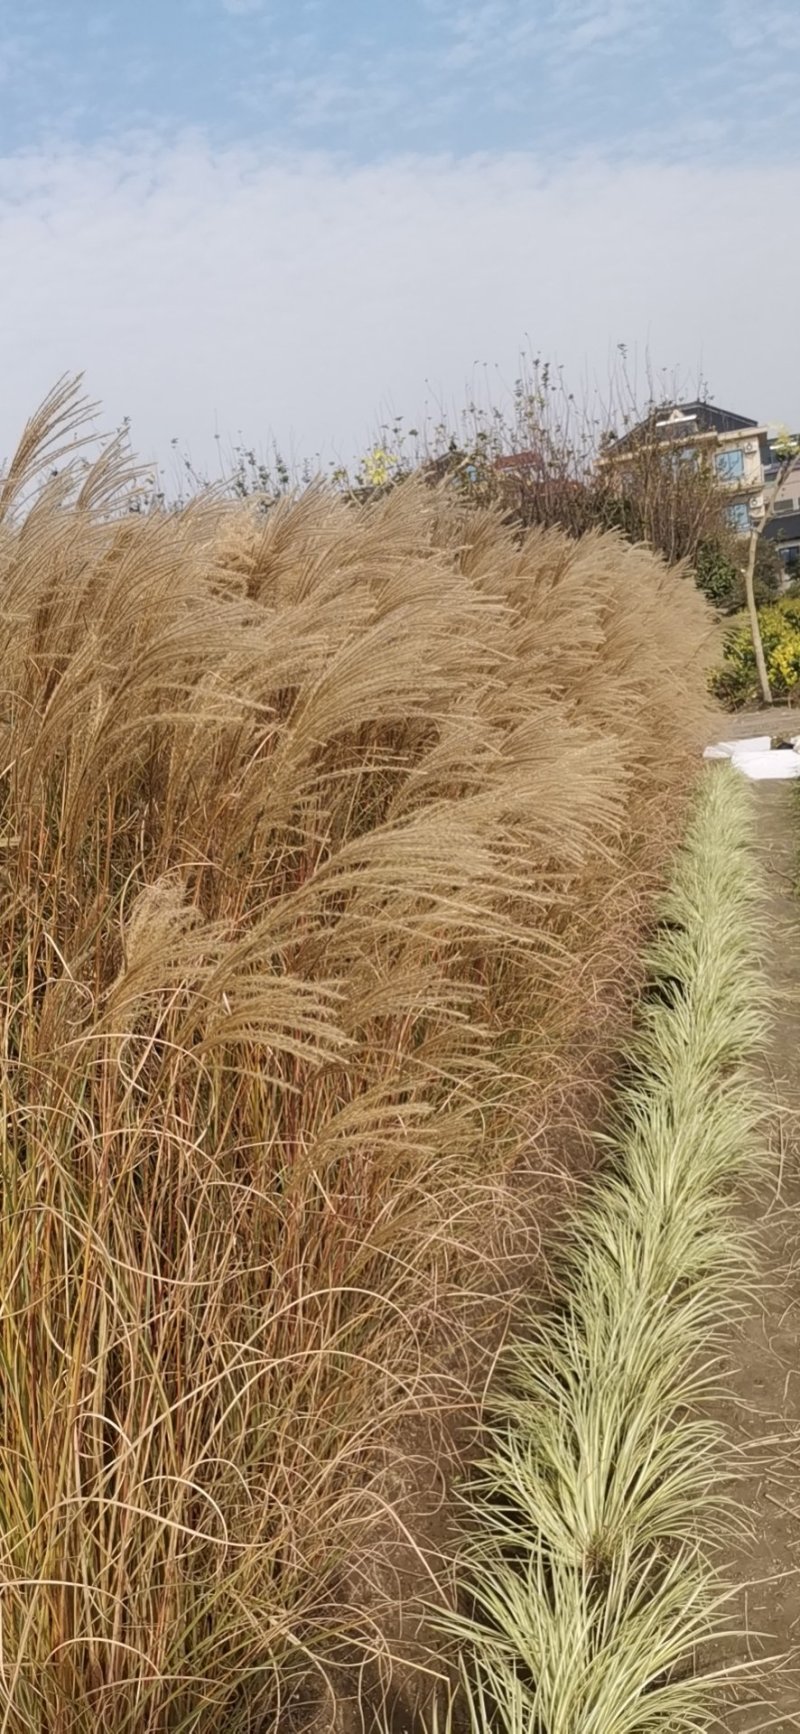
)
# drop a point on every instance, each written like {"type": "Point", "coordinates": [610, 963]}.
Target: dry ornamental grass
{"type": "Point", "coordinates": [326, 837]}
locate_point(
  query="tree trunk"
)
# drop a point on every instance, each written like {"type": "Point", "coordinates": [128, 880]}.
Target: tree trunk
{"type": "Point", "coordinates": [749, 585]}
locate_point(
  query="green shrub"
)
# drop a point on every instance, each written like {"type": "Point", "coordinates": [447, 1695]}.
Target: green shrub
{"type": "Point", "coordinates": [718, 577]}
{"type": "Point", "coordinates": [721, 577]}
{"type": "Point", "coordinates": [736, 681]}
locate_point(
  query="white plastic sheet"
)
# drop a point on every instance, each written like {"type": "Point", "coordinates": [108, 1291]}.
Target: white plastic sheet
{"type": "Point", "coordinates": [756, 758]}
{"type": "Point", "coordinates": [727, 749]}
{"type": "Point", "coordinates": [784, 762]}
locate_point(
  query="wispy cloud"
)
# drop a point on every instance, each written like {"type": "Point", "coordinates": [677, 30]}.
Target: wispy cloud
{"type": "Point", "coordinates": [621, 24]}
{"type": "Point", "coordinates": [434, 75]}
{"type": "Point", "coordinates": [241, 292]}
{"type": "Point", "coordinates": [759, 30]}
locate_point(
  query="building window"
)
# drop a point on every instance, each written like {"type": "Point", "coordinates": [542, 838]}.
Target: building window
{"type": "Point", "coordinates": [786, 505]}
{"type": "Point", "coordinates": [738, 517]}
{"type": "Point", "coordinates": [729, 466]}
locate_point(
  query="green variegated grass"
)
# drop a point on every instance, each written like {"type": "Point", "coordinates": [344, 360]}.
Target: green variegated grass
{"type": "Point", "coordinates": [598, 1510]}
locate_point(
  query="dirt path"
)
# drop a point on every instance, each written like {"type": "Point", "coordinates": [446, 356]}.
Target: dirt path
{"type": "Point", "coordinates": [764, 1408]}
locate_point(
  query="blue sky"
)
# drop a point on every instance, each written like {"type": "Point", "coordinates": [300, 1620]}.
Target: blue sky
{"type": "Point", "coordinates": [290, 221]}
{"type": "Point", "coordinates": [373, 79]}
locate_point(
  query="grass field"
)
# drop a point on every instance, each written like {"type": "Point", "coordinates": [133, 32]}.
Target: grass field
{"type": "Point", "coordinates": [326, 843]}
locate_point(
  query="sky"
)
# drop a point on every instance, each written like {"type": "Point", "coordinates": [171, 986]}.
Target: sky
{"type": "Point", "coordinates": [275, 221]}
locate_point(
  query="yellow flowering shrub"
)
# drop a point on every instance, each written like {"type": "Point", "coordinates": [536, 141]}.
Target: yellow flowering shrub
{"type": "Point", "coordinates": [736, 682]}
{"type": "Point", "coordinates": [378, 468]}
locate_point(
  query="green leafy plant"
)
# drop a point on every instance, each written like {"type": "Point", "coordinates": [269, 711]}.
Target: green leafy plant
{"type": "Point", "coordinates": [736, 682]}
{"type": "Point", "coordinates": [720, 575]}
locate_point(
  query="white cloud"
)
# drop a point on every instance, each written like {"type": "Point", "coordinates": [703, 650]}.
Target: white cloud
{"type": "Point", "coordinates": [303, 298]}
{"type": "Point", "coordinates": [749, 30]}
{"type": "Point", "coordinates": [591, 24]}
{"type": "Point", "coordinates": [544, 75]}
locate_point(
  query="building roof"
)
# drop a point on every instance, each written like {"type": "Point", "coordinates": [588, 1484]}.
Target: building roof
{"type": "Point", "coordinates": [528, 460]}
{"type": "Point", "coordinates": [680, 421]}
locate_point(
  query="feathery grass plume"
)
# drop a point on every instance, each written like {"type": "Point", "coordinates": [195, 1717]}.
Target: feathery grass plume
{"type": "Point", "coordinates": [328, 834]}
{"type": "Point", "coordinates": [595, 1515]}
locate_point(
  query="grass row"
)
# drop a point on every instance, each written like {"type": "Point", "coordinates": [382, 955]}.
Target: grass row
{"type": "Point", "coordinates": [599, 1505]}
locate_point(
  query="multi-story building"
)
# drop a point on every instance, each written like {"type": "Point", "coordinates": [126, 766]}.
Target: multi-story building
{"type": "Point", "coordinates": [737, 447]}
{"type": "Point", "coordinates": [743, 455]}
{"type": "Point", "coordinates": [783, 527]}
